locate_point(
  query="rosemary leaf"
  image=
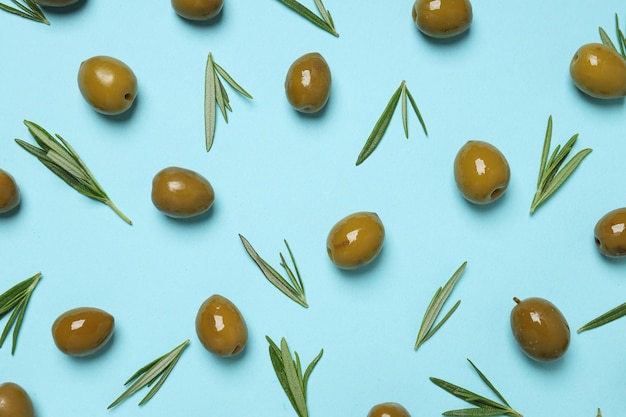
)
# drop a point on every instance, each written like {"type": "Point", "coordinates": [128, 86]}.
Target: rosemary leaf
{"type": "Point", "coordinates": [434, 308]}
{"type": "Point", "coordinates": [60, 158]}
{"type": "Point", "coordinates": [325, 22]}
{"type": "Point", "coordinates": [599, 413]}
{"type": "Point", "coordinates": [215, 96]}
{"type": "Point", "coordinates": [485, 406]}
{"type": "Point", "coordinates": [551, 175]}
{"type": "Point", "coordinates": [289, 374]}
{"type": "Point", "coordinates": [16, 299]}
{"type": "Point", "coordinates": [159, 368]}
{"type": "Point", "coordinates": [606, 40]}
{"type": "Point", "coordinates": [293, 289]}
{"type": "Point", "coordinates": [605, 318]}
{"type": "Point", "coordinates": [385, 118]}
{"type": "Point", "coordinates": [30, 10]}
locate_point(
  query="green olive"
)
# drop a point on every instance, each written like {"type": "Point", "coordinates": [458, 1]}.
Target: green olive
{"type": "Point", "coordinates": [442, 18]}
{"type": "Point", "coordinates": [181, 193]}
{"type": "Point", "coordinates": [82, 331]}
{"type": "Point", "coordinates": [14, 401]}
{"type": "Point", "coordinates": [355, 240]}
{"type": "Point", "coordinates": [388, 410]}
{"type": "Point", "coordinates": [56, 3]}
{"type": "Point", "coordinates": [540, 329]}
{"type": "Point", "coordinates": [599, 71]}
{"type": "Point", "coordinates": [198, 9]}
{"type": "Point", "coordinates": [221, 327]}
{"type": "Point", "coordinates": [307, 84]}
{"type": "Point", "coordinates": [610, 233]}
{"type": "Point", "coordinates": [481, 172]}
{"type": "Point", "coordinates": [107, 84]}
{"type": "Point", "coordinates": [9, 192]}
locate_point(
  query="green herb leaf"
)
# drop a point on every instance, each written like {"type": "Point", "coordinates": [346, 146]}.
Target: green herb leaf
{"type": "Point", "coordinates": [325, 22]}
{"type": "Point", "coordinates": [294, 288]}
{"type": "Point", "coordinates": [605, 318]}
{"type": "Point", "coordinates": [30, 10]}
{"type": "Point", "coordinates": [435, 306]}
{"type": "Point", "coordinates": [215, 96]}
{"type": "Point", "coordinates": [16, 299]}
{"type": "Point", "coordinates": [289, 374]}
{"type": "Point", "coordinates": [159, 368]}
{"type": "Point", "coordinates": [621, 39]}
{"type": "Point", "coordinates": [60, 158]}
{"type": "Point", "coordinates": [485, 406]}
{"type": "Point", "coordinates": [385, 118]}
{"type": "Point", "coordinates": [599, 413]}
{"type": "Point", "coordinates": [551, 176]}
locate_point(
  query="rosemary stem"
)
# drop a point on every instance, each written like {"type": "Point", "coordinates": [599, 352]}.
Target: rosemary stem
{"type": "Point", "coordinates": [118, 211]}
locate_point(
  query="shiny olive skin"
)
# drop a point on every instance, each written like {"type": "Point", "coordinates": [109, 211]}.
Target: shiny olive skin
{"type": "Point", "coordinates": [56, 3]}
{"type": "Point", "coordinates": [610, 233]}
{"type": "Point", "coordinates": [9, 192]}
{"type": "Point", "coordinates": [599, 71]}
{"type": "Point", "coordinates": [307, 84]}
{"type": "Point", "coordinates": [388, 410]}
{"type": "Point", "coordinates": [481, 172]}
{"type": "Point", "coordinates": [107, 84]}
{"type": "Point", "coordinates": [181, 193]}
{"type": "Point", "coordinates": [14, 401]}
{"type": "Point", "coordinates": [355, 240]}
{"type": "Point", "coordinates": [540, 329]}
{"type": "Point", "coordinates": [82, 331]}
{"type": "Point", "coordinates": [221, 327]}
{"type": "Point", "coordinates": [198, 9]}
{"type": "Point", "coordinates": [442, 19]}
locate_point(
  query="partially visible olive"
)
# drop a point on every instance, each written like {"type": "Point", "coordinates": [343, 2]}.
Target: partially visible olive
{"type": "Point", "coordinates": [198, 9]}
{"type": "Point", "coordinates": [181, 193]}
{"type": "Point", "coordinates": [221, 327]}
{"type": "Point", "coordinates": [82, 331]}
{"type": "Point", "coordinates": [307, 84]}
{"type": "Point", "coordinates": [56, 3]}
{"type": "Point", "coordinates": [9, 192]}
{"type": "Point", "coordinates": [107, 84]}
{"type": "Point", "coordinates": [481, 172]}
{"type": "Point", "coordinates": [388, 410]}
{"type": "Point", "coordinates": [540, 329]}
{"type": "Point", "coordinates": [599, 71]}
{"type": "Point", "coordinates": [355, 240]}
{"type": "Point", "coordinates": [610, 233]}
{"type": "Point", "coordinates": [14, 401]}
{"type": "Point", "coordinates": [442, 18]}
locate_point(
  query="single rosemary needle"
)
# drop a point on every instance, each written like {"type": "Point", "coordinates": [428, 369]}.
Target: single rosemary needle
{"type": "Point", "coordinates": [292, 288]}
{"type": "Point", "coordinates": [60, 158]}
{"type": "Point", "coordinates": [16, 299]}
{"type": "Point", "coordinates": [158, 370]}
{"type": "Point", "coordinates": [28, 10]}
{"type": "Point", "coordinates": [215, 96]}
{"type": "Point", "coordinates": [289, 374]}
{"type": "Point", "coordinates": [325, 22]}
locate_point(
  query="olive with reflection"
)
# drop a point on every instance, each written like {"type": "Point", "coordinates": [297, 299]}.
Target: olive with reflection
{"type": "Point", "coordinates": [389, 409]}
{"type": "Point", "coordinates": [481, 172]}
{"type": "Point", "coordinates": [355, 240]}
{"type": "Point", "coordinates": [198, 9]}
{"type": "Point", "coordinates": [9, 192]}
{"type": "Point", "coordinates": [82, 331]}
{"type": "Point", "coordinates": [610, 233]}
{"type": "Point", "coordinates": [442, 19]}
{"type": "Point", "coordinates": [307, 83]}
{"type": "Point", "coordinates": [599, 71]}
{"type": "Point", "coordinates": [14, 401]}
{"type": "Point", "coordinates": [540, 329]}
{"type": "Point", "coordinates": [181, 193]}
{"type": "Point", "coordinates": [107, 84]}
{"type": "Point", "coordinates": [56, 3]}
{"type": "Point", "coordinates": [221, 327]}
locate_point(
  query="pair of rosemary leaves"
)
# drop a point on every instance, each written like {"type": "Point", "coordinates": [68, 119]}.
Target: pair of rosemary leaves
{"type": "Point", "coordinates": [324, 22]}
{"type": "Point", "coordinates": [28, 10]}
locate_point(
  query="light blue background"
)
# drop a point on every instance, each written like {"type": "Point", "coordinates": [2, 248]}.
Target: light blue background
{"type": "Point", "coordinates": [278, 174]}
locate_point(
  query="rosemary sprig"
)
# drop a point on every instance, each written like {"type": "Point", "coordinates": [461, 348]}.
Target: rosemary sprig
{"type": "Point", "coordinates": [16, 299]}
{"type": "Point", "coordinates": [215, 93]}
{"type": "Point", "coordinates": [146, 376]}
{"type": "Point", "coordinates": [621, 39]}
{"type": "Point", "coordinates": [30, 10]}
{"type": "Point", "coordinates": [551, 177]}
{"type": "Point", "coordinates": [435, 306]}
{"type": "Point", "coordinates": [325, 22]}
{"type": "Point", "coordinates": [486, 407]}
{"type": "Point", "coordinates": [609, 316]}
{"type": "Point", "coordinates": [289, 374]}
{"type": "Point", "coordinates": [599, 413]}
{"type": "Point", "coordinates": [383, 122]}
{"type": "Point", "coordinates": [60, 158]}
{"type": "Point", "coordinates": [294, 288]}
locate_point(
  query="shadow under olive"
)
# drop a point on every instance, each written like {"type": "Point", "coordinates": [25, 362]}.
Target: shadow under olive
{"type": "Point", "coordinates": [221, 327]}
{"type": "Point", "coordinates": [442, 19]}
{"type": "Point", "coordinates": [56, 3]}
{"type": "Point", "coordinates": [610, 233]}
{"type": "Point", "coordinates": [307, 84]}
{"type": "Point", "coordinates": [355, 240]}
{"type": "Point", "coordinates": [9, 192]}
